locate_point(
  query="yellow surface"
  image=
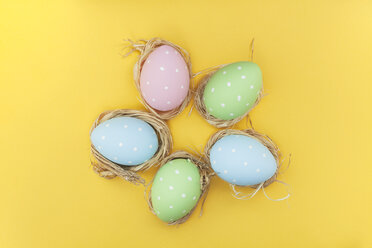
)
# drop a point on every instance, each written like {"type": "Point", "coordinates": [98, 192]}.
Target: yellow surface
{"type": "Point", "coordinates": [60, 67]}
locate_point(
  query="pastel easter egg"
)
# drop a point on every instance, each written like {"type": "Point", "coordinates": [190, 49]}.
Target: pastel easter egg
{"type": "Point", "coordinates": [125, 140]}
{"type": "Point", "coordinates": [176, 189]}
{"type": "Point", "coordinates": [242, 160]}
{"type": "Point", "coordinates": [233, 90]}
{"type": "Point", "coordinates": [164, 79]}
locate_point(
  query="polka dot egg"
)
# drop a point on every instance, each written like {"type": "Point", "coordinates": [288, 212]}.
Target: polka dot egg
{"type": "Point", "coordinates": [233, 90]}
{"type": "Point", "coordinates": [242, 160]}
{"type": "Point", "coordinates": [175, 190]}
{"type": "Point", "coordinates": [125, 140]}
{"type": "Point", "coordinates": [164, 79]}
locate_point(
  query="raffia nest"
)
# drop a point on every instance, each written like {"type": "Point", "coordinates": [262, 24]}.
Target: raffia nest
{"type": "Point", "coordinates": [145, 47]}
{"type": "Point", "coordinates": [108, 169]}
{"type": "Point", "coordinates": [199, 103]}
{"type": "Point", "coordinates": [265, 140]}
{"type": "Point", "coordinates": [205, 175]}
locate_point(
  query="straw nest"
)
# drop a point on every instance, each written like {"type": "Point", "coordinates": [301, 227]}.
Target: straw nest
{"type": "Point", "coordinates": [108, 169]}
{"type": "Point", "coordinates": [146, 47]}
{"type": "Point", "coordinates": [264, 139]}
{"type": "Point", "coordinates": [200, 106]}
{"type": "Point", "coordinates": [205, 175]}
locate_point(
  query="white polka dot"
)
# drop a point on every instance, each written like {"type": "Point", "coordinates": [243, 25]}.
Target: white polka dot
{"type": "Point", "coordinates": [167, 52]}
{"type": "Point", "coordinates": [147, 82]}
{"type": "Point", "coordinates": [225, 171]}
{"type": "Point", "coordinates": [103, 137]}
{"type": "Point", "coordinates": [185, 66]}
{"type": "Point", "coordinates": [158, 197]}
{"type": "Point", "coordinates": [233, 150]}
{"type": "Point", "coordinates": [177, 171]}
{"type": "Point", "coordinates": [239, 67]}
{"type": "Point", "coordinates": [245, 164]}
{"type": "Point", "coordinates": [189, 178]}
{"type": "Point", "coordinates": [166, 87]}
{"type": "Point", "coordinates": [214, 162]}
{"type": "Point", "coordinates": [239, 97]}
{"type": "Point", "coordinates": [160, 179]}
{"type": "Point", "coordinates": [224, 72]}
{"type": "Point", "coordinates": [177, 70]}
{"type": "Point", "coordinates": [243, 77]}
{"type": "Point", "coordinates": [219, 149]}
{"type": "Point", "coordinates": [252, 87]}
{"type": "Point", "coordinates": [231, 114]}
{"type": "Point", "coordinates": [212, 90]}
{"type": "Point", "coordinates": [183, 211]}
{"type": "Point", "coordinates": [171, 188]}
{"type": "Point", "coordinates": [135, 149]}
{"type": "Point", "coordinates": [125, 126]}
{"type": "Point", "coordinates": [250, 147]}
{"type": "Point", "coordinates": [99, 147]}
{"type": "Point", "coordinates": [153, 99]}
{"type": "Point", "coordinates": [120, 144]}
{"type": "Point", "coordinates": [234, 180]}
{"type": "Point", "coordinates": [150, 146]}
{"type": "Point", "coordinates": [210, 109]}
{"type": "Point", "coordinates": [170, 206]}
{"type": "Point", "coordinates": [129, 162]}
{"type": "Point", "coordinates": [144, 94]}
{"type": "Point", "coordinates": [247, 104]}
{"type": "Point", "coordinates": [183, 195]}
{"type": "Point", "coordinates": [158, 212]}
{"type": "Point", "coordinates": [264, 155]}
{"type": "Point", "coordinates": [107, 125]}
{"type": "Point", "coordinates": [168, 102]}
{"type": "Point", "coordinates": [139, 129]}
{"type": "Point", "coordinates": [194, 198]}
{"type": "Point", "coordinates": [228, 84]}
{"type": "Point", "coordinates": [161, 68]}
{"type": "Point", "coordinates": [148, 61]}
{"type": "Point", "coordinates": [222, 105]}
{"type": "Point", "coordinates": [181, 86]}
{"type": "Point", "coordinates": [115, 158]}
{"type": "Point", "coordinates": [258, 170]}
{"type": "Point", "coordinates": [188, 160]}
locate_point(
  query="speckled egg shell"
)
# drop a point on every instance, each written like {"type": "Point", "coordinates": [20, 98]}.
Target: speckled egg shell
{"type": "Point", "coordinates": [233, 90]}
{"type": "Point", "coordinates": [125, 140]}
{"type": "Point", "coordinates": [164, 79]}
{"type": "Point", "coordinates": [242, 160]}
{"type": "Point", "coordinates": [175, 190]}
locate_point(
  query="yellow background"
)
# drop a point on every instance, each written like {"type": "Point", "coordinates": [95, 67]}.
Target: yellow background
{"type": "Point", "coordinates": [60, 66]}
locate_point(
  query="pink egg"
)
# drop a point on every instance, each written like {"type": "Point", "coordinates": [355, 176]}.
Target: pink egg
{"type": "Point", "coordinates": [164, 79]}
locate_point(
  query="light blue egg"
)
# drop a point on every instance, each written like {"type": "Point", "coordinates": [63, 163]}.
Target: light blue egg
{"type": "Point", "coordinates": [242, 160]}
{"type": "Point", "coordinates": [125, 140]}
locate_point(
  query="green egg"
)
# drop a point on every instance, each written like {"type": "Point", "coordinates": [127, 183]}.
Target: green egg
{"type": "Point", "coordinates": [233, 90]}
{"type": "Point", "coordinates": [175, 190]}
